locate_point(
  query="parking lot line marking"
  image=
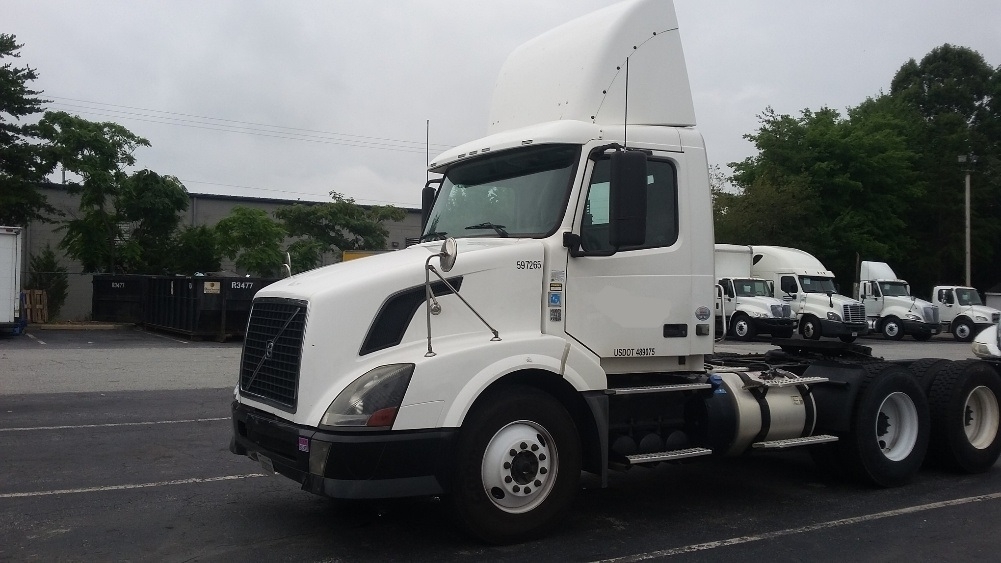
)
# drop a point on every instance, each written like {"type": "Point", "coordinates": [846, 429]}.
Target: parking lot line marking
{"type": "Point", "coordinates": [113, 424]}
{"type": "Point", "coordinates": [134, 486]}
{"type": "Point", "coordinates": [163, 336]}
{"type": "Point", "coordinates": [33, 337]}
{"type": "Point", "coordinates": [801, 530]}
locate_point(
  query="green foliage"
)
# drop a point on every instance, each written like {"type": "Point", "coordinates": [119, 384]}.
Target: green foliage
{"type": "Point", "coordinates": [195, 249]}
{"type": "Point", "coordinates": [253, 240]}
{"type": "Point", "coordinates": [23, 163]}
{"type": "Point", "coordinates": [45, 273]}
{"type": "Point", "coordinates": [148, 210]}
{"type": "Point", "coordinates": [98, 153]}
{"type": "Point", "coordinates": [340, 224]}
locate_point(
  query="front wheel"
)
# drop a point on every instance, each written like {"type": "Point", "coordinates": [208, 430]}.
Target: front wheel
{"type": "Point", "coordinates": [892, 329]}
{"type": "Point", "coordinates": [518, 466]}
{"type": "Point", "coordinates": [742, 328]}
{"type": "Point", "coordinates": [810, 329]}
{"type": "Point", "coordinates": [963, 331]}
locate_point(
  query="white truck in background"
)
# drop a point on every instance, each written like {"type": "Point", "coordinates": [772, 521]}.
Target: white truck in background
{"type": "Point", "coordinates": [12, 316]}
{"type": "Point", "coordinates": [808, 286]}
{"type": "Point", "coordinates": [556, 317]}
{"type": "Point", "coordinates": [889, 306]}
{"type": "Point", "coordinates": [745, 306]}
{"type": "Point", "coordinates": [962, 311]}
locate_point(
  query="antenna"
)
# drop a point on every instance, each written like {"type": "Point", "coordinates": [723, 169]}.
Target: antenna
{"type": "Point", "coordinates": [625, 111]}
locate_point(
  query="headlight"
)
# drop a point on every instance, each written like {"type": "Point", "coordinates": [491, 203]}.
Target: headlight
{"type": "Point", "coordinates": [371, 400]}
{"type": "Point", "coordinates": [758, 315]}
{"type": "Point", "coordinates": [832, 316]}
{"type": "Point", "coordinates": [981, 319]}
{"type": "Point", "coordinates": [913, 317]}
{"type": "Point", "coordinates": [981, 350]}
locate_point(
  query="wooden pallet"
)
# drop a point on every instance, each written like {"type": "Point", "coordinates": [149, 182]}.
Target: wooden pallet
{"type": "Point", "coordinates": [37, 305]}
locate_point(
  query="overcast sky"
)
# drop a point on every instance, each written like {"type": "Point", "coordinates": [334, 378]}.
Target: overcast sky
{"type": "Point", "coordinates": [293, 99]}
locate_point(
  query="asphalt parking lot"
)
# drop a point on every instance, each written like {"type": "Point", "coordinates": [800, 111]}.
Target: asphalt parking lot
{"type": "Point", "coordinates": [115, 448]}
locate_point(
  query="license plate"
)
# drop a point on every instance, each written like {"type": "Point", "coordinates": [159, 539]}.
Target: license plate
{"type": "Point", "coordinates": [266, 464]}
{"type": "Point", "coordinates": [854, 334]}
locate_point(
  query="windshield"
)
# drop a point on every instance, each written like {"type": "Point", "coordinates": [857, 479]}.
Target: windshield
{"type": "Point", "coordinates": [752, 288]}
{"type": "Point", "coordinates": [968, 296]}
{"type": "Point", "coordinates": [816, 284]}
{"type": "Point", "coordinates": [516, 193]}
{"type": "Point", "coordinates": [894, 289]}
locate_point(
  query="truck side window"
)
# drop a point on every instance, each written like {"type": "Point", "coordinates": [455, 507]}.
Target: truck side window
{"type": "Point", "coordinates": [728, 288]}
{"type": "Point", "coordinates": [789, 284]}
{"type": "Point", "coordinates": [662, 208]}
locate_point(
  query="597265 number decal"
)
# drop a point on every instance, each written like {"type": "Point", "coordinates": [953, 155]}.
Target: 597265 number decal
{"type": "Point", "coordinates": [528, 265]}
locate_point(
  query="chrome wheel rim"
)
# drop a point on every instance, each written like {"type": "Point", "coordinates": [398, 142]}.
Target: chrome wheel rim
{"type": "Point", "coordinates": [519, 467]}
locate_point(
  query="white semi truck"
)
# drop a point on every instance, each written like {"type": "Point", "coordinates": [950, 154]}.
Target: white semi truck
{"type": "Point", "coordinates": [806, 284]}
{"type": "Point", "coordinates": [557, 317]}
{"type": "Point", "coordinates": [745, 306]}
{"type": "Point", "coordinates": [962, 311]}
{"type": "Point", "coordinates": [12, 315]}
{"type": "Point", "coordinates": [890, 308]}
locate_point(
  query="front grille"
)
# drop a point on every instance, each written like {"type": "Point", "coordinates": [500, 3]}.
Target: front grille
{"type": "Point", "coordinates": [781, 311]}
{"type": "Point", "coordinates": [931, 314]}
{"type": "Point", "coordinates": [854, 313]}
{"type": "Point", "coordinates": [996, 317]}
{"type": "Point", "coordinates": [272, 351]}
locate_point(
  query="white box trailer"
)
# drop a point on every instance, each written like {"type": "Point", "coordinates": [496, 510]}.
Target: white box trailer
{"type": "Point", "coordinates": [11, 313]}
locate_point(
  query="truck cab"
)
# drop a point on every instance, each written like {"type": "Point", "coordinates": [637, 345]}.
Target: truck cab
{"type": "Point", "coordinates": [891, 309]}
{"type": "Point", "coordinates": [808, 286]}
{"type": "Point", "coordinates": [962, 311]}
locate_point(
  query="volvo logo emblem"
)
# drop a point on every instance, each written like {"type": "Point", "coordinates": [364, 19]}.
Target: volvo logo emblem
{"type": "Point", "coordinates": [269, 349]}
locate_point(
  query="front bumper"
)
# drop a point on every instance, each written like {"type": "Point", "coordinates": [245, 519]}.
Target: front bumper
{"type": "Point", "coordinates": [838, 328]}
{"type": "Point", "coordinates": [348, 465]}
{"type": "Point", "coordinates": [770, 324]}
{"type": "Point", "coordinates": [921, 327]}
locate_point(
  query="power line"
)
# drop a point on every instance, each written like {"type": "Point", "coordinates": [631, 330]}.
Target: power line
{"type": "Point", "coordinates": [248, 127]}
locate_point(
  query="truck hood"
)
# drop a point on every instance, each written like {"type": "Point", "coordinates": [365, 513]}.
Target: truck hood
{"type": "Point", "coordinates": [760, 304]}
{"type": "Point", "coordinates": [985, 313]}
{"type": "Point", "coordinates": [369, 312]}
{"type": "Point", "coordinates": [987, 344]}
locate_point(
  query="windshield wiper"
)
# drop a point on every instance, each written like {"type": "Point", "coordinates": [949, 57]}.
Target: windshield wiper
{"type": "Point", "coordinates": [499, 228]}
{"type": "Point", "coordinates": [432, 236]}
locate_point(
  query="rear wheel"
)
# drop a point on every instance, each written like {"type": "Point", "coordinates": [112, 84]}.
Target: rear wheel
{"type": "Point", "coordinates": [965, 416]}
{"type": "Point", "coordinates": [889, 429]}
{"type": "Point", "coordinates": [518, 466]}
{"type": "Point", "coordinates": [810, 328]}
{"type": "Point", "coordinates": [892, 328]}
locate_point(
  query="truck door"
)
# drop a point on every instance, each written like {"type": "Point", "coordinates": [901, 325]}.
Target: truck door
{"type": "Point", "coordinates": [636, 301]}
{"type": "Point", "coordinates": [872, 299]}
{"type": "Point", "coordinates": [791, 294]}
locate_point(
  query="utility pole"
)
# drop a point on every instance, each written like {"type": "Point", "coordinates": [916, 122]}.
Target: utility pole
{"type": "Point", "coordinates": [969, 160]}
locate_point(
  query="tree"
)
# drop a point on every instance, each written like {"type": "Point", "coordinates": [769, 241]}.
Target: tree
{"type": "Point", "coordinates": [98, 153]}
{"type": "Point", "coordinates": [45, 273]}
{"type": "Point", "coordinates": [339, 225]}
{"type": "Point", "coordinates": [195, 249]}
{"type": "Point", "coordinates": [252, 239]}
{"type": "Point", "coordinates": [148, 210]}
{"type": "Point", "coordinates": [23, 163]}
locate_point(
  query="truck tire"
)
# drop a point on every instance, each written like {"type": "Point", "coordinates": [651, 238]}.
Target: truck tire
{"type": "Point", "coordinates": [890, 427]}
{"type": "Point", "coordinates": [925, 370]}
{"type": "Point", "coordinates": [892, 328]}
{"type": "Point", "coordinates": [741, 327]}
{"type": "Point", "coordinates": [963, 330]}
{"type": "Point", "coordinates": [518, 463]}
{"type": "Point", "coordinates": [965, 416]}
{"type": "Point", "coordinates": [810, 328]}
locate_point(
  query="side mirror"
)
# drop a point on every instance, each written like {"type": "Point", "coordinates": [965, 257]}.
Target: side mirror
{"type": "Point", "coordinates": [627, 199]}
{"type": "Point", "coordinates": [427, 201]}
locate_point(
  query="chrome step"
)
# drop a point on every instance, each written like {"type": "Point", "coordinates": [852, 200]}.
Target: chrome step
{"type": "Point", "coordinates": [659, 388]}
{"type": "Point", "coordinates": [793, 442]}
{"type": "Point", "coordinates": [788, 381]}
{"type": "Point", "coordinates": [670, 455]}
